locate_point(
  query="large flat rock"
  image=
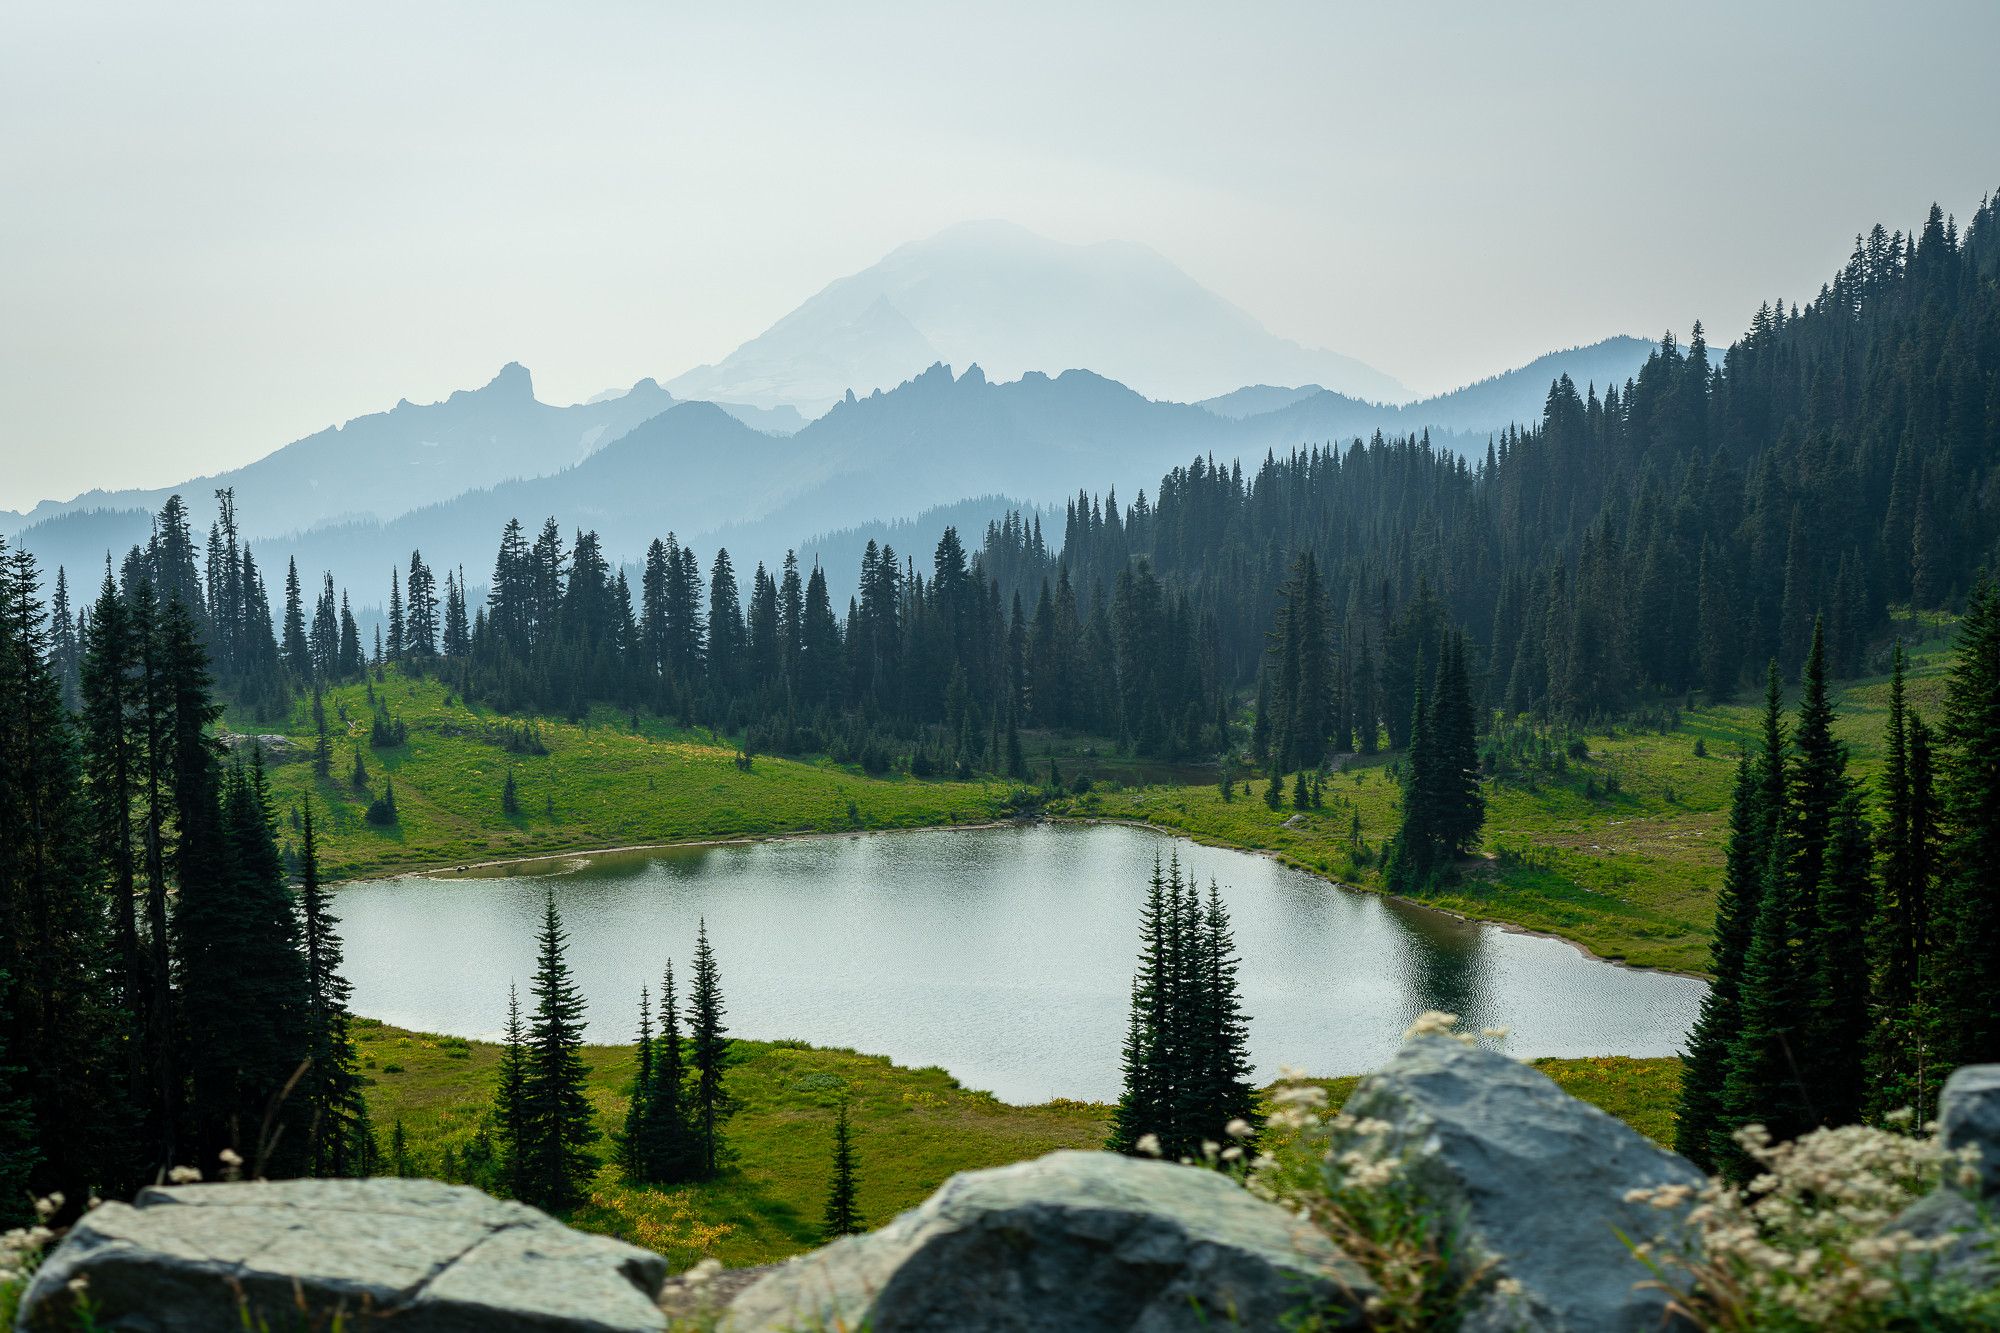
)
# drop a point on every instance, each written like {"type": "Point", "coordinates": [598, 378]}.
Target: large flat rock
{"type": "Point", "coordinates": [1075, 1241]}
{"type": "Point", "coordinates": [411, 1255]}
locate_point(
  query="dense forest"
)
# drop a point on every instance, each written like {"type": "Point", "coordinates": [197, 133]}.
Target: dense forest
{"type": "Point", "coordinates": [165, 982]}
{"type": "Point", "coordinates": [1671, 534]}
{"type": "Point", "coordinates": [1857, 934]}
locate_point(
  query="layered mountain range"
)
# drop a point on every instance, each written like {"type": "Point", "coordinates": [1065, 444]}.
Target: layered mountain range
{"type": "Point", "coordinates": [724, 454]}
{"type": "Point", "coordinates": [446, 477]}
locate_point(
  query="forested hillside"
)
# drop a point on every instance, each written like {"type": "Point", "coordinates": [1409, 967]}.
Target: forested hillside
{"type": "Point", "coordinates": [1642, 541]}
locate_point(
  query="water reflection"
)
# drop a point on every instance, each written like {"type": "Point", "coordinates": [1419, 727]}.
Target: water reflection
{"type": "Point", "coordinates": [1003, 955]}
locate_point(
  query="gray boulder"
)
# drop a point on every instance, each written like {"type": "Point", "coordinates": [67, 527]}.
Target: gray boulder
{"type": "Point", "coordinates": [1077, 1241]}
{"type": "Point", "coordinates": [1969, 1117]}
{"type": "Point", "coordinates": [1971, 1259]}
{"type": "Point", "coordinates": [1536, 1179]}
{"type": "Point", "coordinates": [412, 1255]}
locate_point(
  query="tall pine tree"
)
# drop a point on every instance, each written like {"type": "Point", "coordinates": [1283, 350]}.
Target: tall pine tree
{"type": "Point", "coordinates": [557, 1125]}
{"type": "Point", "coordinates": [708, 1052]}
{"type": "Point", "coordinates": [843, 1213]}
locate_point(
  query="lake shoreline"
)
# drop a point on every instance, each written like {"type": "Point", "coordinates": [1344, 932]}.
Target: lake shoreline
{"type": "Point", "coordinates": [1510, 927]}
{"type": "Point", "coordinates": [450, 871]}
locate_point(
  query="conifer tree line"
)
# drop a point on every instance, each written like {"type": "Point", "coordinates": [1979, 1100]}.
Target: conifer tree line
{"type": "Point", "coordinates": [1857, 934]}
{"type": "Point", "coordinates": [1639, 542]}
{"type": "Point", "coordinates": [1186, 1062]}
{"type": "Point", "coordinates": [540, 1143]}
{"type": "Point", "coordinates": [168, 994]}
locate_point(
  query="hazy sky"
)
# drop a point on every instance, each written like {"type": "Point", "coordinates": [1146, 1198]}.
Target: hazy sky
{"type": "Point", "coordinates": [224, 226]}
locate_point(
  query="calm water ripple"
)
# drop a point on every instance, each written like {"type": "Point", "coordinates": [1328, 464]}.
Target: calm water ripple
{"type": "Point", "coordinates": [1004, 955]}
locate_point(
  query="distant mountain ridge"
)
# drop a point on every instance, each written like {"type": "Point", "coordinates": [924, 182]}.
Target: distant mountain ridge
{"type": "Point", "coordinates": [385, 464]}
{"type": "Point", "coordinates": [697, 470]}
{"type": "Point", "coordinates": [1512, 396]}
{"type": "Point", "coordinates": [1000, 296]}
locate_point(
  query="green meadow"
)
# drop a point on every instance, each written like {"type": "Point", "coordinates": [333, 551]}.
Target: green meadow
{"type": "Point", "coordinates": [1619, 849]}
{"type": "Point", "coordinates": [1621, 852]}
{"type": "Point", "coordinates": [601, 783]}
{"type": "Point", "coordinates": [913, 1128]}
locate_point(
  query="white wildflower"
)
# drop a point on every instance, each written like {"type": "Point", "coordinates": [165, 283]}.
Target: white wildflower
{"type": "Point", "coordinates": [1431, 1023]}
{"type": "Point", "coordinates": [1238, 1128]}
{"type": "Point", "coordinates": [1148, 1145]}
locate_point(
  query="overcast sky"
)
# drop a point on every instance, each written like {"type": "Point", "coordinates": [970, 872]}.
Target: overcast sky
{"type": "Point", "coordinates": [225, 226]}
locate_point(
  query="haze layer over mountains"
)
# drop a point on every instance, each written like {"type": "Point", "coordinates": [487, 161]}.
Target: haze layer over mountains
{"type": "Point", "coordinates": [1080, 366]}
{"type": "Point", "coordinates": [1011, 301]}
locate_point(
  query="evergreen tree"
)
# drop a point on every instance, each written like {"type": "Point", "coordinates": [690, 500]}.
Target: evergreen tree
{"type": "Point", "coordinates": [1705, 1064]}
{"type": "Point", "coordinates": [557, 1125]}
{"type": "Point", "coordinates": [58, 1026]}
{"type": "Point", "coordinates": [1186, 1063]}
{"type": "Point", "coordinates": [843, 1216]}
{"type": "Point", "coordinates": [510, 1103]}
{"type": "Point", "coordinates": [668, 1151]}
{"type": "Point", "coordinates": [1897, 931]}
{"type": "Point", "coordinates": [331, 1089]}
{"type": "Point", "coordinates": [244, 992]}
{"type": "Point", "coordinates": [708, 1053]}
{"type": "Point", "coordinates": [401, 1165]}
{"type": "Point", "coordinates": [1965, 978]}
{"type": "Point", "coordinates": [1222, 1069]}
{"type": "Point", "coordinates": [397, 629]}
{"type": "Point", "coordinates": [322, 742]}
{"type": "Point", "coordinates": [1443, 807]}
{"type": "Point", "coordinates": [364, 1150]}
{"type": "Point", "coordinates": [632, 1142]}
{"type": "Point", "coordinates": [1455, 748]}
{"type": "Point", "coordinates": [114, 734]}
{"type": "Point", "coordinates": [1765, 1080]}
{"type": "Point", "coordinates": [1142, 1102]}
{"type": "Point", "coordinates": [297, 649]}
{"type": "Point", "coordinates": [1841, 1018]}
{"type": "Point", "coordinates": [18, 1154]}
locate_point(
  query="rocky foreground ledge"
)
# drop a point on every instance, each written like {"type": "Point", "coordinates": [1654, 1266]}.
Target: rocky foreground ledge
{"type": "Point", "coordinates": [1073, 1241]}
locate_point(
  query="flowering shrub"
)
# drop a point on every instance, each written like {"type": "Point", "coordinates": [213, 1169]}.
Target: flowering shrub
{"type": "Point", "coordinates": [20, 1252]}
{"type": "Point", "coordinates": [1339, 1172]}
{"type": "Point", "coordinates": [1803, 1247]}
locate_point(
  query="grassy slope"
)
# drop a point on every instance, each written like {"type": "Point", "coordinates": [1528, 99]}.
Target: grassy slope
{"type": "Point", "coordinates": [600, 785]}
{"type": "Point", "coordinates": [913, 1128]}
{"type": "Point", "coordinates": [1630, 876]}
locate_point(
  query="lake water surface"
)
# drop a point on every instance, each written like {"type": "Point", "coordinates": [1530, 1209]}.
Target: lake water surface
{"type": "Point", "coordinates": [1004, 955]}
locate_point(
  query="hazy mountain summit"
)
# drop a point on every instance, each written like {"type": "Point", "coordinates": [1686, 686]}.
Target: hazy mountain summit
{"type": "Point", "coordinates": [387, 463]}
{"type": "Point", "coordinates": [1012, 301]}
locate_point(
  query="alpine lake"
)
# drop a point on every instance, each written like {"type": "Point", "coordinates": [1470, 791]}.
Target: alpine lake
{"type": "Point", "coordinates": [1004, 955]}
